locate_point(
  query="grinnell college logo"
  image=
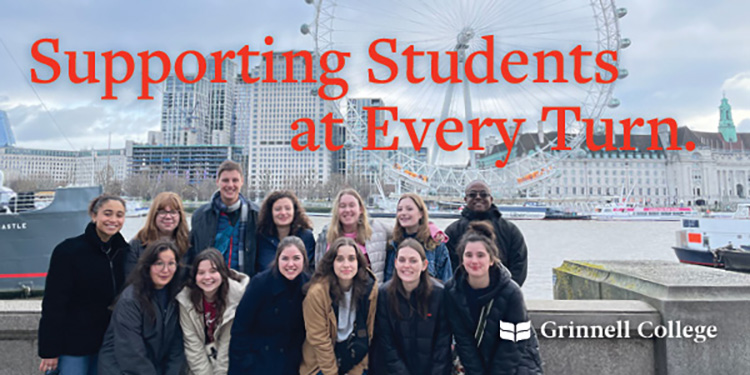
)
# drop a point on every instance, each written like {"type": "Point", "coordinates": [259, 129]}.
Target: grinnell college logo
{"type": "Point", "coordinates": [515, 332]}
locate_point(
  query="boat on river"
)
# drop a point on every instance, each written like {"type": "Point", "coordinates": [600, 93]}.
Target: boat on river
{"type": "Point", "coordinates": [716, 241]}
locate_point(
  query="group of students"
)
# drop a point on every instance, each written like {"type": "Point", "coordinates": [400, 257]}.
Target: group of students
{"type": "Point", "coordinates": [250, 291]}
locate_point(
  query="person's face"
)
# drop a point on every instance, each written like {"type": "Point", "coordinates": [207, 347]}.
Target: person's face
{"type": "Point", "coordinates": [283, 212]}
{"type": "Point", "coordinates": [408, 215]}
{"type": "Point", "coordinates": [477, 260]}
{"type": "Point", "coordinates": [109, 219]}
{"type": "Point", "coordinates": [349, 211]}
{"type": "Point", "coordinates": [409, 265]}
{"type": "Point", "coordinates": [478, 197]}
{"type": "Point", "coordinates": [345, 265]}
{"type": "Point", "coordinates": [291, 262]}
{"type": "Point", "coordinates": [208, 277]}
{"type": "Point", "coordinates": [230, 184]}
{"type": "Point", "coordinates": [167, 219]}
{"type": "Point", "coordinates": [163, 269]}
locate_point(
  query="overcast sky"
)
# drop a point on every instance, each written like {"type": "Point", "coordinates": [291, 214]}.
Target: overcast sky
{"type": "Point", "coordinates": [684, 55]}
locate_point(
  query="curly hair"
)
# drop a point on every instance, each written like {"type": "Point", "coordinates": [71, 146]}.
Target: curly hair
{"type": "Point", "coordinates": [266, 225]}
{"type": "Point", "coordinates": [324, 272]}
{"type": "Point", "coordinates": [423, 232]}
{"type": "Point", "coordinates": [140, 278]}
{"type": "Point", "coordinates": [423, 290]}
{"type": "Point", "coordinates": [150, 232]}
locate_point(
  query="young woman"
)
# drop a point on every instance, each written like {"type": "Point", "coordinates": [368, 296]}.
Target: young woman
{"type": "Point", "coordinates": [268, 332]}
{"type": "Point", "coordinates": [144, 336]}
{"type": "Point", "coordinates": [349, 219]}
{"type": "Point", "coordinates": [85, 275]}
{"type": "Point", "coordinates": [165, 220]}
{"type": "Point", "coordinates": [413, 337]}
{"type": "Point", "coordinates": [281, 215]}
{"type": "Point", "coordinates": [478, 298]}
{"type": "Point", "coordinates": [412, 221]}
{"type": "Point", "coordinates": [207, 310]}
{"type": "Point", "coordinates": [339, 312]}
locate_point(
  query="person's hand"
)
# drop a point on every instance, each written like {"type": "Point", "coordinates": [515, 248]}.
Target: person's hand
{"type": "Point", "coordinates": [440, 237]}
{"type": "Point", "coordinates": [48, 364]}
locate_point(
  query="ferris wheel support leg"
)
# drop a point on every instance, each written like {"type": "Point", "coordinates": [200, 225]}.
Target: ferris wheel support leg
{"type": "Point", "coordinates": [443, 115]}
{"type": "Point", "coordinates": [469, 115]}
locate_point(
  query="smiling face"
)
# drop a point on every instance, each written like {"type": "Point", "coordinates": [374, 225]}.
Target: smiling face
{"type": "Point", "coordinates": [229, 184]}
{"type": "Point", "coordinates": [167, 219]}
{"type": "Point", "coordinates": [408, 215]}
{"type": "Point", "coordinates": [478, 197]}
{"type": "Point", "coordinates": [163, 269]}
{"type": "Point", "coordinates": [476, 260]}
{"type": "Point", "coordinates": [291, 262]}
{"type": "Point", "coordinates": [109, 219]}
{"type": "Point", "coordinates": [349, 212]}
{"type": "Point", "coordinates": [345, 265]}
{"type": "Point", "coordinates": [283, 212]}
{"type": "Point", "coordinates": [208, 278]}
{"type": "Point", "coordinates": [409, 265]}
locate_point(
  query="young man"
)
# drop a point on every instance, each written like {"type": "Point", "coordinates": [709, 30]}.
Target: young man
{"type": "Point", "coordinates": [226, 223]}
{"type": "Point", "coordinates": [508, 238]}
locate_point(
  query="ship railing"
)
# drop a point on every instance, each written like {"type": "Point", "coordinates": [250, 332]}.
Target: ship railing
{"type": "Point", "coordinates": [27, 201]}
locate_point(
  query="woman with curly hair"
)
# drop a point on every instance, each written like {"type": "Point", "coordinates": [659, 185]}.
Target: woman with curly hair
{"type": "Point", "coordinates": [412, 221]}
{"type": "Point", "coordinates": [144, 336]}
{"type": "Point", "coordinates": [339, 312]}
{"type": "Point", "coordinates": [281, 215]}
{"type": "Point", "coordinates": [207, 310]}
{"type": "Point", "coordinates": [166, 220]}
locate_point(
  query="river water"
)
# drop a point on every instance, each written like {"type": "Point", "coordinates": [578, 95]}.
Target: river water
{"type": "Point", "coordinates": [550, 242]}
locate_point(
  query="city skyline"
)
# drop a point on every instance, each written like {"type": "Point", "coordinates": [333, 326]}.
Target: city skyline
{"type": "Point", "coordinates": [679, 64]}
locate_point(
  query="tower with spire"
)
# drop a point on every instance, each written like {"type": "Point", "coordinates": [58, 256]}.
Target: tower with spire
{"type": "Point", "coordinates": [726, 124]}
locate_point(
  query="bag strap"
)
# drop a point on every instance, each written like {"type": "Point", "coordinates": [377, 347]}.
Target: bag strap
{"type": "Point", "coordinates": [483, 314]}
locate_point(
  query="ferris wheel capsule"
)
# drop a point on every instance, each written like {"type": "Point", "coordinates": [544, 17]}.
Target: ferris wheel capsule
{"type": "Point", "coordinates": [624, 43]}
{"type": "Point", "coordinates": [304, 29]}
{"type": "Point", "coordinates": [621, 12]}
{"type": "Point", "coordinates": [622, 73]}
{"type": "Point", "coordinates": [613, 103]}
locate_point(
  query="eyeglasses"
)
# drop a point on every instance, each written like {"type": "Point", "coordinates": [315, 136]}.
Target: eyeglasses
{"type": "Point", "coordinates": [165, 213]}
{"type": "Point", "coordinates": [474, 194]}
{"type": "Point", "coordinates": [162, 265]}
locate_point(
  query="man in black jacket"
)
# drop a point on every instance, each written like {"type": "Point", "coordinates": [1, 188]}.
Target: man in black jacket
{"type": "Point", "coordinates": [509, 239]}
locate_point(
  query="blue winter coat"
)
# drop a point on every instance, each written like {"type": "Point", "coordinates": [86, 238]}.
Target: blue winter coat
{"type": "Point", "coordinates": [268, 329]}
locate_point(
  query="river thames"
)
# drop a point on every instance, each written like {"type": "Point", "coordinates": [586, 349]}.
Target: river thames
{"type": "Point", "coordinates": [550, 242]}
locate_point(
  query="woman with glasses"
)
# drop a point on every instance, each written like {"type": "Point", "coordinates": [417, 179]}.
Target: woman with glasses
{"type": "Point", "coordinates": [144, 336]}
{"type": "Point", "coordinates": [281, 215]}
{"type": "Point", "coordinates": [165, 220]}
{"type": "Point", "coordinates": [412, 221]}
{"type": "Point", "coordinates": [207, 309]}
{"type": "Point", "coordinates": [85, 275]}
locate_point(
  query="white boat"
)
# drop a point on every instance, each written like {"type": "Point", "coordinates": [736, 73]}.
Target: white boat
{"type": "Point", "coordinates": [706, 240]}
{"type": "Point", "coordinates": [632, 212]}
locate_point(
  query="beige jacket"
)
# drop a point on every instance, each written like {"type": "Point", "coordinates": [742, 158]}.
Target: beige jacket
{"type": "Point", "coordinates": [197, 352]}
{"type": "Point", "coordinates": [321, 326]}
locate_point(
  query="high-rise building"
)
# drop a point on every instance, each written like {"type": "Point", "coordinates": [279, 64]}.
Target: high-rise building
{"type": "Point", "coordinates": [272, 162]}
{"type": "Point", "coordinates": [358, 162]}
{"type": "Point", "coordinates": [185, 112]}
{"type": "Point", "coordinates": [221, 102]}
{"type": "Point", "coordinates": [6, 133]}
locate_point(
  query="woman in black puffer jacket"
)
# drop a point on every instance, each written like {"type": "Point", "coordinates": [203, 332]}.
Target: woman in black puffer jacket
{"type": "Point", "coordinates": [482, 287]}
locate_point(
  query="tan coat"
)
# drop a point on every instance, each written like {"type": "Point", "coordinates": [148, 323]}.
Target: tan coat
{"type": "Point", "coordinates": [321, 326]}
{"type": "Point", "coordinates": [197, 352]}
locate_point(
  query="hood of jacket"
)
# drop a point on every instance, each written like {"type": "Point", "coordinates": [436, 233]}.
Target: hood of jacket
{"type": "Point", "coordinates": [499, 278]}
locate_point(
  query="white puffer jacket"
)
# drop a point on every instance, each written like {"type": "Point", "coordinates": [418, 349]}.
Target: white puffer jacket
{"type": "Point", "coordinates": [376, 247]}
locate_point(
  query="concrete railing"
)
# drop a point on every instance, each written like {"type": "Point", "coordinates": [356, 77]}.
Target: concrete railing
{"type": "Point", "coordinates": [19, 321]}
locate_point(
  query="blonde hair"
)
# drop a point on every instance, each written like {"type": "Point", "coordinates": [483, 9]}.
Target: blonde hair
{"type": "Point", "coordinates": [423, 232]}
{"type": "Point", "coordinates": [150, 233]}
{"type": "Point", "coordinates": [363, 224]}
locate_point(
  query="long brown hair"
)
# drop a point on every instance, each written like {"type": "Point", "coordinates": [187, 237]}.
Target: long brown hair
{"type": "Point", "coordinates": [266, 225]}
{"type": "Point", "coordinates": [363, 225]}
{"type": "Point", "coordinates": [196, 293]}
{"type": "Point", "coordinates": [283, 244]}
{"type": "Point", "coordinates": [423, 232]}
{"type": "Point", "coordinates": [324, 272]}
{"type": "Point", "coordinates": [150, 232]}
{"type": "Point", "coordinates": [479, 231]}
{"type": "Point", "coordinates": [140, 278]}
{"type": "Point", "coordinates": [421, 293]}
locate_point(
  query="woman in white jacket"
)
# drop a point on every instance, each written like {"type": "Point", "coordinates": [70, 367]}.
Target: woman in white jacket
{"type": "Point", "coordinates": [207, 306]}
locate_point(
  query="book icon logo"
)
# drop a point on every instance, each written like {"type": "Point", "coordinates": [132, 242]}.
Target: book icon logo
{"type": "Point", "coordinates": [515, 332]}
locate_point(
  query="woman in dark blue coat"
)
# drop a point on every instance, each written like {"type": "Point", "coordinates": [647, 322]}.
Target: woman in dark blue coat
{"type": "Point", "coordinates": [268, 329]}
{"type": "Point", "coordinates": [412, 336]}
{"type": "Point", "coordinates": [281, 215]}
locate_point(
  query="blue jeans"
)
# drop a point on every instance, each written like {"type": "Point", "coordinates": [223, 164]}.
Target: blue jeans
{"type": "Point", "coordinates": [78, 365]}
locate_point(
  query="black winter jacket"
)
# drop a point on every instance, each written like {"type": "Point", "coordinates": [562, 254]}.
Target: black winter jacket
{"type": "Point", "coordinates": [494, 356]}
{"type": "Point", "coordinates": [203, 233]}
{"type": "Point", "coordinates": [135, 344]}
{"type": "Point", "coordinates": [412, 345]}
{"type": "Point", "coordinates": [508, 238]}
{"type": "Point", "coordinates": [82, 282]}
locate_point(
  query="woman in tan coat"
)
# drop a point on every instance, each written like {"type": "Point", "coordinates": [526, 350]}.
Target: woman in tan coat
{"type": "Point", "coordinates": [339, 312]}
{"type": "Point", "coordinates": [207, 308]}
